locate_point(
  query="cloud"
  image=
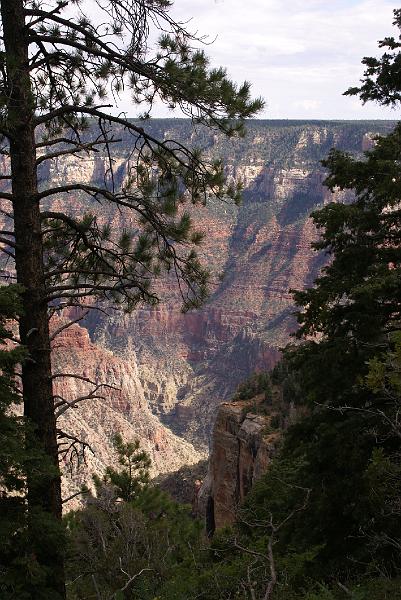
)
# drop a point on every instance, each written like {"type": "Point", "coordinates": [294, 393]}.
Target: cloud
{"type": "Point", "coordinates": [307, 49]}
{"type": "Point", "coordinates": [300, 55]}
{"type": "Point", "coordinates": [306, 104]}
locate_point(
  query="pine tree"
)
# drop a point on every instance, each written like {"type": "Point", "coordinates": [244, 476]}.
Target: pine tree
{"type": "Point", "coordinates": [26, 544]}
{"type": "Point", "coordinates": [130, 539]}
{"type": "Point", "coordinates": [381, 81]}
{"type": "Point", "coordinates": [58, 73]}
{"type": "Point", "coordinates": [356, 301]}
{"type": "Point", "coordinates": [349, 326]}
{"type": "Point", "coordinates": [133, 475]}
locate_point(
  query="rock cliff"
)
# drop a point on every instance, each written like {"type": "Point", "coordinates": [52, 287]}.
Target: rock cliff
{"type": "Point", "coordinates": [243, 444]}
{"type": "Point", "coordinates": [190, 363]}
{"type": "Point", "coordinates": [174, 369]}
{"type": "Point", "coordinates": [119, 407]}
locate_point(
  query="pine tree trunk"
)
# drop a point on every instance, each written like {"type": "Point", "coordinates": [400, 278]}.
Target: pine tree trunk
{"type": "Point", "coordinates": [44, 490]}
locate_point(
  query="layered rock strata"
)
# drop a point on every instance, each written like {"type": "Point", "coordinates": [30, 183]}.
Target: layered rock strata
{"type": "Point", "coordinates": [173, 369]}
{"type": "Point", "coordinates": [119, 406]}
{"type": "Point", "coordinates": [243, 445]}
{"type": "Point", "coordinates": [262, 249]}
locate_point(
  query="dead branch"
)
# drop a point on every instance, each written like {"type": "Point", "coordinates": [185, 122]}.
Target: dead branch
{"type": "Point", "coordinates": [377, 412]}
{"type": "Point", "coordinates": [73, 376]}
{"type": "Point", "coordinates": [64, 404]}
{"type": "Point", "coordinates": [130, 581]}
{"type": "Point", "coordinates": [72, 446]}
{"type": "Point", "coordinates": [80, 493]}
{"type": "Point", "coordinates": [273, 530]}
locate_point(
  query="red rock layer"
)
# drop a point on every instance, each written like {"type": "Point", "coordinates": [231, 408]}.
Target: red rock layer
{"type": "Point", "coordinates": [120, 408]}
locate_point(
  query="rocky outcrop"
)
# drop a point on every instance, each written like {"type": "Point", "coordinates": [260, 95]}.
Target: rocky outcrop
{"type": "Point", "coordinates": [243, 445]}
{"type": "Point", "coordinates": [119, 406]}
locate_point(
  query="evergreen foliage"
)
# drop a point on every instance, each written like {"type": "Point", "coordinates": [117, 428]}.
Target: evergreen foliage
{"type": "Point", "coordinates": [62, 73]}
{"type": "Point", "coordinates": [134, 474]}
{"type": "Point", "coordinates": [381, 82]}
{"type": "Point", "coordinates": [258, 383]}
{"type": "Point", "coordinates": [323, 522]}
{"type": "Point", "coordinates": [130, 540]}
{"type": "Point", "coordinates": [22, 548]}
{"type": "Point", "coordinates": [346, 374]}
{"type": "Point", "coordinates": [326, 514]}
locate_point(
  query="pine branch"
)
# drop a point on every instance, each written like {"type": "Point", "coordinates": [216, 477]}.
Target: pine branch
{"type": "Point", "coordinates": [8, 252]}
{"type": "Point", "coordinates": [5, 240]}
{"type": "Point", "coordinates": [47, 14]}
{"type": "Point", "coordinates": [87, 148]}
{"type": "Point", "coordinates": [95, 112]}
{"type": "Point", "coordinates": [6, 196]}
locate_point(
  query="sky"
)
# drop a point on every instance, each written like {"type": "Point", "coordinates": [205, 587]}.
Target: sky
{"type": "Point", "coordinates": [299, 55]}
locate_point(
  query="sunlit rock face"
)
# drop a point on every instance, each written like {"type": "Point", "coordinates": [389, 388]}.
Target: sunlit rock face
{"type": "Point", "coordinates": [174, 369]}
{"type": "Point", "coordinates": [188, 363]}
{"type": "Point", "coordinates": [119, 406]}
{"type": "Point", "coordinates": [243, 445]}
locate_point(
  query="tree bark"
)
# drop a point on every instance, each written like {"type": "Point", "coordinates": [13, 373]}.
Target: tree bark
{"type": "Point", "coordinates": [44, 488]}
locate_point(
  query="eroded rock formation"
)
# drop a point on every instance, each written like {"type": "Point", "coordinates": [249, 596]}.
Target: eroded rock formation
{"type": "Point", "coordinates": [190, 363]}
{"type": "Point", "coordinates": [174, 369]}
{"type": "Point", "coordinates": [243, 445]}
{"type": "Point", "coordinates": [119, 407]}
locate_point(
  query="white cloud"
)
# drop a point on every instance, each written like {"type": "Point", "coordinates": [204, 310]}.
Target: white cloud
{"type": "Point", "coordinates": [307, 104]}
{"type": "Point", "coordinates": [297, 49]}
{"type": "Point", "coordinates": [300, 55]}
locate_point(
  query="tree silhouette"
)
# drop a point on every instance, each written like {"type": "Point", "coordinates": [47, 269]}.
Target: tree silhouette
{"type": "Point", "coordinates": [60, 76]}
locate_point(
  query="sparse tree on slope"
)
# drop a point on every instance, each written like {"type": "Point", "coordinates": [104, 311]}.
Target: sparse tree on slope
{"type": "Point", "coordinates": [58, 72]}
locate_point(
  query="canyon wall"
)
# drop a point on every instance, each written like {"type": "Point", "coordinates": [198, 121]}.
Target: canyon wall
{"type": "Point", "coordinates": [243, 445]}
{"type": "Point", "coordinates": [245, 438]}
{"type": "Point", "coordinates": [189, 363]}
{"type": "Point", "coordinates": [172, 370]}
{"type": "Point", "coordinates": [118, 406]}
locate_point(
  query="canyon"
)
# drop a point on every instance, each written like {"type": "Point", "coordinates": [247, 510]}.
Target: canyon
{"type": "Point", "coordinates": [169, 370]}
